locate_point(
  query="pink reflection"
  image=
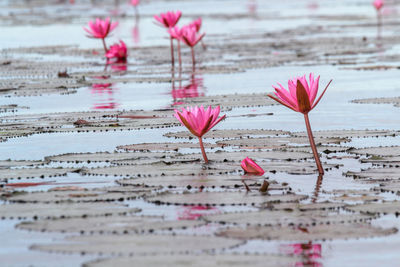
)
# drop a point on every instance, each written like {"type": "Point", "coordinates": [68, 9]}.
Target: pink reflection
{"type": "Point", "coordinates": [192, 90]}
{"type": "Point", "coordinates": [195, 212]}
{"type": "Point", "coordinates": [309, 251]}
{"type": "Point", "coordinates": [103, 94]}
{"type": "Point", "coordinates": [136, 34]}
{"type": "Point", "coordinates": [120, 66]}
{"type": "Point", "coordinates": [312, 5]}
{"type": "Point", "coordinates": [252, 7]}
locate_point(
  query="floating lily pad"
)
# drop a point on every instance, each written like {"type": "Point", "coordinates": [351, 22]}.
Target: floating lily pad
{"type": "Point", "coordinates": [165, 169]}
{"type": "Point", "coordinates": [393, 187]}
{"type": "Point", "coordinates": [137, 244]}
{"type": "Point", "coordinates": [202, 260]}
{"type": "Point", "coordinates": [276, 142]}
{"type": "Point", "coordinates": [163, 146]}
{"type": "Point", "coordinates": [376, 174]}
{"type": "Point", "coordinates": [392, 207]}
{"type": "Point", "coordinates": [256, 155]}
{"type": "Point", "coordinates": [223, 198]}
{"type": "Point", "coordinates": [306, 207]}
{"type": "Point", "coordinates": [377, 151]}
{"type": "Point", "coordinates": [62, 210]}
{"type": "Point", "coordinates": [287, 217]}
{"type": "Point", "coordinates": [383, 100]}
{"type": "Point", "coordinates": [348, 134]}
{"type": "Point", "coordinates": [201, 181]}
{"type": "Point", "coordinates": [76, 196]}
{"type": "Point", "coordinates": [5, 164]}
{"type": "Point", "coordinates": [229, 134]}
{"type": "Point", "coordinates": [108, 225]}
{"type": "Point", "coordinates": [106, 156]}
{"type": "Point", "coordinates": [33, 172]}
{"type": "Point", "coordinates": [318, 232]}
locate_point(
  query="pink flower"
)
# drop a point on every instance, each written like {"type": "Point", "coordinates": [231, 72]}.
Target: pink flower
{"type": "Point", "coordinates": [100, 28]}
{"type": "Point", "coordinates": [378, 4]}
{"type": "Point", "coordinates": [117, 51]}
{"type": "Point", "coordinates": [198, 120]}
{"type": "Point", "coordinates": [169, 19]}
{"type": "Point", "coordinates": [176, 32]}
{"type": "Point", "coordinates": [196, 24]}
{"type": "Point", "coordinates": [190, 36]}
{"type": "Point", "coordinates": [301, 96]}
{"type": "Point", "coordinates": [250, 167]}
{"type": "Point", "coordinates": [135, 3]}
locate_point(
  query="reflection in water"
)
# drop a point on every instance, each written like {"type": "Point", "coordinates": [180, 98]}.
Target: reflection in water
{"type": "Point", "coordinates": [103, 94]}
{"type": "Point", "coordinates": [194, 212]}
{"type": "Point", "coordinates": [135, 31]}
{"type": "Point", "coordinates": [252, 7]}
{"type": "Point", "coordinates": [317, 188]}
{"type": "Point", "coordinates": [309, 251]}
{"type": "Point", "coordinates": [193, 89]}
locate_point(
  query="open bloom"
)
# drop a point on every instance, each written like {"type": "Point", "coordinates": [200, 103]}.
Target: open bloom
{"type": "Point", "coordinates": [250, 167]}
{"type": "Point", "coordinates": [199, 120]}
{"type": "Point", "coordinates": [169, 19]}
{"type": "Point", "coordinates": [190, 36]}
{"type": "Point", "coordinates": [117, 51]}
{"type": "Point", "coordinates": [100, 28]}
{"type": "Point", "coordinates": [176, 32]}
{"type": "Point", "coordinates": [135, 3]}
{"type": "Point", "coordinates": [378, 4]}
{"type": "Point", "coordinates": [301, 96]}
{"type": "Point", "coordinates": [196, 24]}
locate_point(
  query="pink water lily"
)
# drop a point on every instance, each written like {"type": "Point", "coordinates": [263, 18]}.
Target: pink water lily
{"type": "Point", "coordinates": [135, 3]}
{"type": "Point", "coordinates": [301, 97]}
{"type": "Point", "coordinates": [199, 121]}
{"type": "Point", "coordinates": [250, 167]}
{"type": "Point", "coordinates": [191, 38]}
{"type": "Point", "coordinates": [196, 24]}
{"type": "Point", "coordinates": [100, 29]}
{"type": "Point", "coordinates": [378, 4]}
{"type": "Point", "coordinates": [169, 20]}
{"type": "Point", "coordinates": [118, 51]}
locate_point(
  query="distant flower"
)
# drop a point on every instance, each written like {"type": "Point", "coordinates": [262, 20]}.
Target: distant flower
{"type": "Point", "coordinates": [190, 36]}
{"type": "Point", "coordinates": [196, 24]}
{"type": "Point", "coordinates": [250, 167]}
{"type": "Point", "coordinates": [301, 98]}
{"type": "Point", "coordinates": [199, 121]}
{"type": "Point", "coordinates": [378, 4]}
{"type": "Point", "coordinates": [135, 3]}
{"type": "Point", "coordinates": [168, 19]}
{"type": "Point", "coordinates": [118, 52]}
{"type": "Point", "coordinates": [100, 28]}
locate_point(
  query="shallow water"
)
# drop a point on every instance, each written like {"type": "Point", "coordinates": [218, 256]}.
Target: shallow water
{"type": "Point", "coordinates": [334, 112]}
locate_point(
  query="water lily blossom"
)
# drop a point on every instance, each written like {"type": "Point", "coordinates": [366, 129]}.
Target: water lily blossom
{"type": "Point", "coordinates": [191, 38]}
{"type": "Point", "coordinates": [135, 3]}
{"type": "Point", "coordinates": [118, 52]}
{"type": "Point", "coordinates": [199, 121]}
{"type": "Point", "coordinates": [250, 167]}
{"type": "Point", "coordinates": [100, 29]}
{"type": "Point", "coordinates": [169, 20]}
{"type": "Point", "coordinates": [302, 97]}
{"type": "Point", "coordinates": [378, 4]}
{"type": "Point", "coordinates": [196, 24]}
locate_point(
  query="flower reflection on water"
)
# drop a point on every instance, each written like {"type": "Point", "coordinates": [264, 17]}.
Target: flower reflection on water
{"type": "Point", "coordinates": [195, 212]}
{"type": "Point", "coordinates": [309, 251]}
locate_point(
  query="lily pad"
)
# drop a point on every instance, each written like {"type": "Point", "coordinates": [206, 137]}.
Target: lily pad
{"type": "Point", "coordinates": [376, 174]}
{"type": "Point", "coordinates": [33, 173]}
{"type": "Point", "coordinates": [388, 151]}
{"type": "Point", "coordinates": [202, 260]}
{"type": "Point", "coordinates": [201, 181]}
{"type": "Point", "coordinates": [230, 134]}
{"type": "Point", "coordinates": [318, 232]}
{"type": "Point", "coordinates": [223, 198]}
{"type": "Point", "coordinates": [163, 146]}
{"type": "Point", "coordinates": [106, 156]}
{"type": "Point", "coordinates": [348, 134]}
{"type": "Point", "coordinates": [108, 225]}
{"type": "Point", "coordinates": [124, 245]}
{"type": "Point", "coordinates": [62, 210]}
{"type": "Point", "coordinates": [392, 207]}
{"type": "Point", "coordinates": [287, 217]}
